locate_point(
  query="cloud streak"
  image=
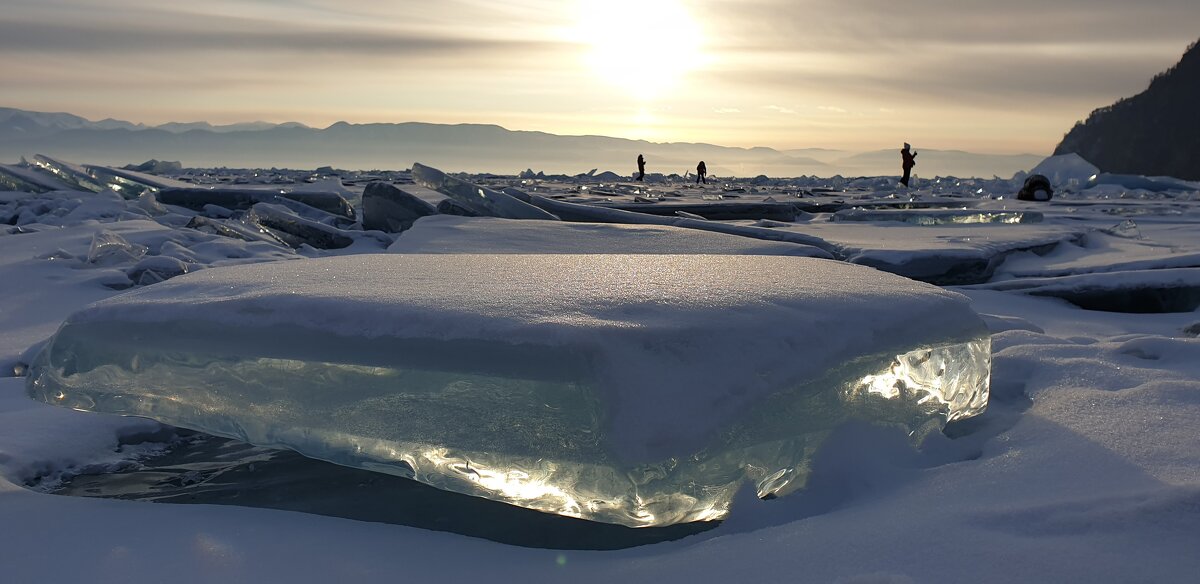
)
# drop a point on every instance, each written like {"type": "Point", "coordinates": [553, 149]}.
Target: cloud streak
{"type": "Point", "coordinates": [63, 38]}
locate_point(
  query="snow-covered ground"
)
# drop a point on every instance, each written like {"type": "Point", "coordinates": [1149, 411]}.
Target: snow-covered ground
{"type": "Point", "coordinates": [1085, 468]}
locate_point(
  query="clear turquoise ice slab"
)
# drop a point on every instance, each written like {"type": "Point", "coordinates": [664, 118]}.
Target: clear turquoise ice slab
{"type": "Point", "coordinates": [638, 390]}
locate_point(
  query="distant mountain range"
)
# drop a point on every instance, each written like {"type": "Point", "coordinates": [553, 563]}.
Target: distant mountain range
{"type": "Point", "coordinates": [1155, 133]}
{"type": "Point", "coordinates": [458, 147]}
{"type": "Point", "coordinates": [27, 123]}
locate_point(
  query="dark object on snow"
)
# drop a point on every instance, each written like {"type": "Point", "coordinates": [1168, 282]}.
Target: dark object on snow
{"type": "Point", "coordinates": [1036, 188]}
{"type": "Point", "coordinates": [701, 173]}
{"type": "Point", "coordinates": [641, 161]}
{"type": "Point", "coordinates": [390, 209]}
{"type": "Point", "coordinates": [242, 199]}
{"type": "Point", "coordinates": [908, 160]}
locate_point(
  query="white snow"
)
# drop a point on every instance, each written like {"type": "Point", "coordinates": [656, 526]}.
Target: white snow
{"type": "Point", "coordinates": [451, 234]}
{"type": "Point", "coordinates": [1086, 467]}
{"type": "Point", "coordinates": [1066, 170]}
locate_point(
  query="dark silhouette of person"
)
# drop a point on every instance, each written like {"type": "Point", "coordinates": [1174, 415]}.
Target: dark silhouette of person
{"type": "Point", "coordinates": [641, 167]}
{"type": "Point", "coordinates": [908, 161]}
{"type": "Point", "coordinates": [701, 172]}
{"type": "Point", "coordinates": [1036, 188]}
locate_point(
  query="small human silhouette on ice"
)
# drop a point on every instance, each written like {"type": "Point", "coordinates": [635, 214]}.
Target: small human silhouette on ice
{"type": "Point", "coordinates": [701, 173]}
{"type": "Point", "coordinates": [908, 160]}
{"type": "Point", "coordinates": [641, 167]}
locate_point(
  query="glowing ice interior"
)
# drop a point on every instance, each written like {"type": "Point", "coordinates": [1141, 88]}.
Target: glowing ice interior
{"type": "Point", "coordinates": [638, 390]}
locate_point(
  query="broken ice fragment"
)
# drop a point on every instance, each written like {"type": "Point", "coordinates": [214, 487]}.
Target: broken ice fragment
{"type": "Point", "coordinates": [241, 199]}
{"type": "Point", "coordinates": [480, 200]}
{"type": "Point", "coordinates": [233, 230]}
{"type": "Point", "coordinates": [295, 230]}
{"type": "Point", "coordinates": [129, 184]}
{"type": "Point", "coordinates": [452, 207]}
{"type": "Point", "coordinates": [72, 174]}
{"type": "Point", "coordinates": [17, 178]}
{"type": "Point", "coordinates": [390, 209]}
{"type": "Point", "coordinates": [155, 269]}
{"type": "Point", "coordinates": [110, 249]}
{"type": "Point", "coordinates": [1127, 229]}
{"type": "Point", "coordinates": [143, 179]}
{"type": "Point", "coordinates": [638, 390]}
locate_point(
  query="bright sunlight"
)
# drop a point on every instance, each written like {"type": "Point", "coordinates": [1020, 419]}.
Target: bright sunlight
{"type": "Point", "coordinates": [643, 46]}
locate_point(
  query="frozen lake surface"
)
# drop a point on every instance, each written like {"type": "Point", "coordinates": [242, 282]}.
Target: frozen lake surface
{"type": "Point", "coordinates": [1085, 466]}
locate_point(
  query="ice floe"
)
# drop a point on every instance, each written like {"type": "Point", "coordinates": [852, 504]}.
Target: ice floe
{"type": "Point", "coordinates": [639, 390]}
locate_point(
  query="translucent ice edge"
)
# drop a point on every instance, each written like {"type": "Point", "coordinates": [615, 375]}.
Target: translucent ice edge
{"type": "Point", "coordinates": [537, 444]}
{"type": "Point", "coordinates": [935, 217]}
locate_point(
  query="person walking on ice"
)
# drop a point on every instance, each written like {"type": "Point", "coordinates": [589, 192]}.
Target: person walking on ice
{"type": "Point", "coordinates": [907, 160]}
{"type": "Point", "coordinates": [701, 173]}
{"type": "Point", "coordinates": [641, 167]}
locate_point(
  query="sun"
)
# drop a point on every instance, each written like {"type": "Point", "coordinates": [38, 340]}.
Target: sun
{"type": "Point", "coordinates": [643, 46]}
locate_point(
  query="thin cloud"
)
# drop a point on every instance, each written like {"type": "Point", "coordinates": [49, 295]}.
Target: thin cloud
{"type": "Point", "coordinates": [779, 109]}
{"type": "Point", "coordinates": [50, 37]}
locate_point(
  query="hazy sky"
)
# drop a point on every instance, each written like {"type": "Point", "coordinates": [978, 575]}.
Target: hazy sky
{"type": "Point", "coordinates": [989, 76]}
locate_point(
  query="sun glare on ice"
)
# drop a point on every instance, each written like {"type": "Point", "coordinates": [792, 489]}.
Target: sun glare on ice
{"type": "Point", "coordinates": [643, 46]}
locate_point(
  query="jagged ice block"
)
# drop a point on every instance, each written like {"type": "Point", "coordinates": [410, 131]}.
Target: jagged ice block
{"type": "Point", "coordinates": [632, 389]}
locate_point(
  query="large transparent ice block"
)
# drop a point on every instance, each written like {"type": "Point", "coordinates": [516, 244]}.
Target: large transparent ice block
{"type": "Point", "coordinates": [638, 390]}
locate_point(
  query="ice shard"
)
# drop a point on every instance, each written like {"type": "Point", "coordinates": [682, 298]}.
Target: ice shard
{"type": "Point", "coordinates": [119, 181]}
{"type": "Point", "coordinates": [72, 174]}
{"type": "Point", "coordinates": [19, 178]}
{"type": "Point", "coordinates": [135, 177]}
{"type": "Point", "coordinates": [295, 230]}
{"type": "Point", "coordinates": [241, 199]}
{"type": "Point", "coordinates": [479, 200]}
{"type": "Point", "coordinates": [592, 214]}
{"type": "Point", "coordinates": [109, 249]}
{"type": "Point", "coordinates": [390, 209]}
{"type": "Point", "coordinates": [234, 229]}
{"type": "Point", "coordinates": [637, 390]}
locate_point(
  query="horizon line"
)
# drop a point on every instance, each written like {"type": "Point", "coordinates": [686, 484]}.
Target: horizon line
{"type": "Point", "coordinates": [147, 126]}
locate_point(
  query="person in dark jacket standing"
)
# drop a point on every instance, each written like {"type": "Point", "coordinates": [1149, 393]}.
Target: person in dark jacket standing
{"type": "Point", "coordinates": [701, 172]}
{"type": "Point", "coordinates": [641, 167]}
{"type": "Point", "coordinates": [908, 161]}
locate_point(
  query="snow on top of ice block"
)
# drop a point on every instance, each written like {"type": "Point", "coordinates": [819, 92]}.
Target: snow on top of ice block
{"type": "Point", "coordinates": [501, 295]}
{"type": "Point", "coordinates": [681, 343]}
{"type": "Point", "coordinates": [453, 234]}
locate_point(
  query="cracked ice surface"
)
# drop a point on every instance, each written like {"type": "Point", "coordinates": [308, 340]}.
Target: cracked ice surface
{"type": "Point", "coordinates": [638, 390]}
